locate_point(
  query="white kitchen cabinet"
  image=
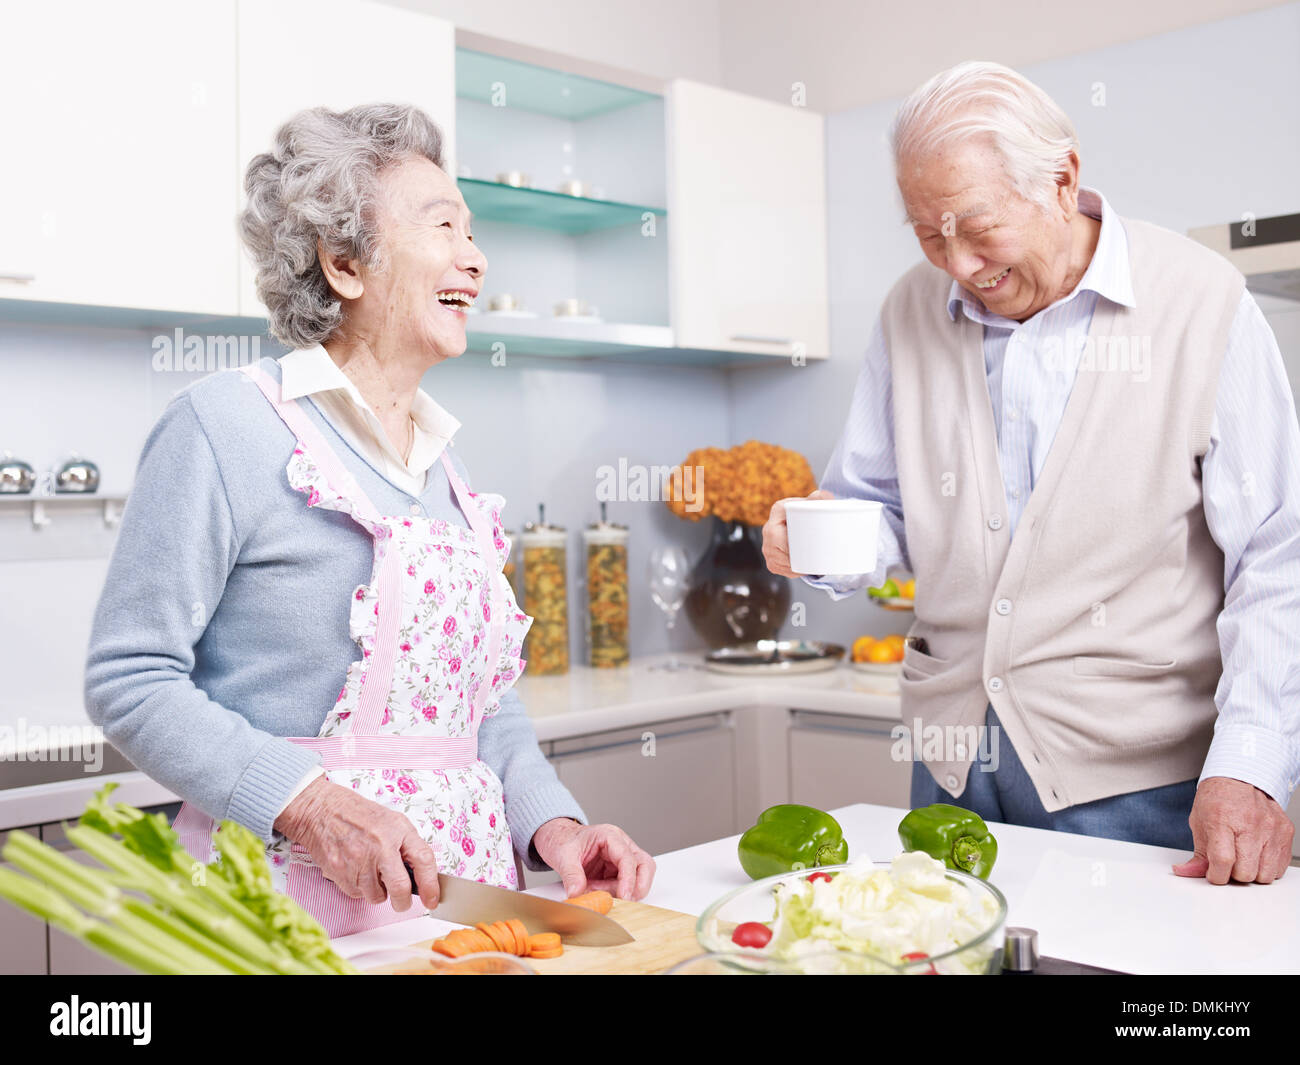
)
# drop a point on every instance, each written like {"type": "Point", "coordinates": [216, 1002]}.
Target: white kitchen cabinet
{"type": "Point", "coordinates": [119, 131]}
{"type": "Point", "coordinates": [22, 936]}
{"type": "Point", "coordinates": [669, 785]}
{"type": "Point", "coordinates": [295, 54]}
{"type": "Point", "coordinates": [836, 760]}
{"type": "Point", "coordinates": [747, 241]}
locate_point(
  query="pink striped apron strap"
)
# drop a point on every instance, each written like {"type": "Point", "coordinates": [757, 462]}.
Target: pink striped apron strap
{"type": "Point", "coordinates": [481, 523]}
{"type": "Point", "coordinates": [338, 475]}
{"type": "Point", "coordinates": [377, 683]}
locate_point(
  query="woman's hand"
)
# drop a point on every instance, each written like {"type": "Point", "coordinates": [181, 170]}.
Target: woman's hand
{"type": "Point", "coordinates": [594, 858]}
{"type": "Point", "coordinates": [360, 845]}
{"type": "Point", "coordinates": [776, 537]}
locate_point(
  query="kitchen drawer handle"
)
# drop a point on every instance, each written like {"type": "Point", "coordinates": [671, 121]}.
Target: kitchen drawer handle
{"type": "Point", "coordinates": [750, 338]}
{"type": "Point", "coordinates": [22, 279]}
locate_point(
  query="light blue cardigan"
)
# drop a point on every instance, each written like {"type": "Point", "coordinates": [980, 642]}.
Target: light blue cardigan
{"type": "Point", "coordinates": [223, 624]}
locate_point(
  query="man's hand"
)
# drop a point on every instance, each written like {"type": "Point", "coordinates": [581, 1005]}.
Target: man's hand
{"type": "Point", "coordinates": [594, 858]}
{"type": "Point", "coordinates": [776, 537]}
{"type": "Point", "coordinates": [361, 845]}
{"type": "Point", "coordinates": [1239, 832]}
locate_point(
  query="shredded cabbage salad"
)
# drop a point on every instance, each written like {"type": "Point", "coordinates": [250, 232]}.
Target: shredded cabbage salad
{"type": "Point", "coordinates": [886, 913]}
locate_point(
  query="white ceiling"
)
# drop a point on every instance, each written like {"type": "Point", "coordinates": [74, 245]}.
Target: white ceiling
{"type": "Point", "coordinates": [852, 52]}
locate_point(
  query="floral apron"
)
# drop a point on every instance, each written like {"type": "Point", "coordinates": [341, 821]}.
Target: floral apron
{"type": "Point", "coordinates": [440, 637]}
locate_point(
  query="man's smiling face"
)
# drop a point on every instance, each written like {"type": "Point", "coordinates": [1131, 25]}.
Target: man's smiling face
{"type": "Point", "coordinates": [1006, 250]}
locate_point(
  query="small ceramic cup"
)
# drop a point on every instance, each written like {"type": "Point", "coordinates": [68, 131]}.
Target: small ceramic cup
{"type": "Point", "coordinates": [832, 536]}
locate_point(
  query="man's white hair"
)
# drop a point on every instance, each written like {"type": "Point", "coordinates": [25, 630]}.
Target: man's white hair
{"type": "Point", "coordinates": [1026, 127]}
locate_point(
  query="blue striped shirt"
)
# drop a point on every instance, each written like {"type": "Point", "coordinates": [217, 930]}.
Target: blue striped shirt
{"type": "Point", "coordinates": [1250, 479]}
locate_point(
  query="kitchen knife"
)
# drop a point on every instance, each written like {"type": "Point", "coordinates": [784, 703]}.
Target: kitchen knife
{"type": "Point", "coordinates": [468, 902]}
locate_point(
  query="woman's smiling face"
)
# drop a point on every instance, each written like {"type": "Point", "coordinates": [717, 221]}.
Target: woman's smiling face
{"type": "Point", "coordinates": [1005, 250]}
{"type": "Point", "coordinates": [433, 270]}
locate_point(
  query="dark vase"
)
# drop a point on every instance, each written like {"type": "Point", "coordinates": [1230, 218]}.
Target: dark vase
{"type": "Point", "coordinates": [733, 596]}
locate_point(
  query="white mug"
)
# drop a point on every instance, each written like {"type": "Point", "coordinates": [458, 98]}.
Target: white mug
{"type": "Point", "coordinates": [833, 536]}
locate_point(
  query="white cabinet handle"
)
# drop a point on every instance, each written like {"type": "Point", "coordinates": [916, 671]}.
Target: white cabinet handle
{"type": "Point", "coordinates": [22, 279]}
{"type": "Point", "coordinates": [746, 338]}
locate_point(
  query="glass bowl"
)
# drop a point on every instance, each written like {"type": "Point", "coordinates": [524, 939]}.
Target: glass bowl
{"type": "Point", "coordinates": [980, 955]}
{"type": "Point", "coordinates": [412, 961]}
{"type": "Point", "coordinates": [732, 963]}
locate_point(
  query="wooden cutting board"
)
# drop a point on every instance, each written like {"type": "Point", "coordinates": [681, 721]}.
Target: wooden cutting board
{"type": "Point", "coordinates": [663, 938]}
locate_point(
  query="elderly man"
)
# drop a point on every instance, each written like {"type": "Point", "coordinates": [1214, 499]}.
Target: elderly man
{"type": "Point", "coordinates": [1087, 450]}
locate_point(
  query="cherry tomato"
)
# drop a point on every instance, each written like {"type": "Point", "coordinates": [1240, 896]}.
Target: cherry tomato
{"type": "Point", "coordinates": [751, 934]}
{"type": "Point", "coordinates": [814, 877]}
{"type": "Point", "coordinates": [920, 955]}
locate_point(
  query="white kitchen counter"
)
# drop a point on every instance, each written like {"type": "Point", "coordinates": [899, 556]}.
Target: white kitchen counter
{"type": "Point", "coordinates": [1095, 901]}
{"type": "Point", "coordinates": [582, 701]}
{"type": "Point", "coordinates": [592, 700]}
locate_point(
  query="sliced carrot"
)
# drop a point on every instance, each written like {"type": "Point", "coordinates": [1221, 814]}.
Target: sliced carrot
{"type": "Point", "coordinates": [521, 935]}
{"type": "Point", "coordinates": [465, 940]}
{"type": "Point", "coordinates": [541, 954]}
{"type": "Point", "coordinates": [451, 948]}
{"type": "Point", "coordinates": [600, 901]}
{"type": "Point", "coordinates": [543, 941]}
{"type": "Point", "coordinates": [507, 937]}
{"type": "Point", "coordinates": [494, 934]}
{"type": "Point", "coordinates": [481, 940]}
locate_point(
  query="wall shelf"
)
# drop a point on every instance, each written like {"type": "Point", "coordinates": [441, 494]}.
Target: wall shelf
{"type": "Point", "coordinates": [41, 505]}
{"type": "Point", "coordinates": [550, 337]}
{"type": "Point", "coordinates": [610, 341]}
{"type": "Point", "coordinates": [494, 202]}
{"type": "Point", "coordinates": [497, 80]}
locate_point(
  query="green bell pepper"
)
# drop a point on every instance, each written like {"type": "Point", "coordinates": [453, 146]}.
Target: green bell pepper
{"type": "Point", "coordinates": [790, 837]}
{"type": "Point", "coordinates": [958, 838]}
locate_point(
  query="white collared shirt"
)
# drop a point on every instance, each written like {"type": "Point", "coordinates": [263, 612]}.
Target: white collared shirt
{"type": "Point", "coordinates": [311, 372]}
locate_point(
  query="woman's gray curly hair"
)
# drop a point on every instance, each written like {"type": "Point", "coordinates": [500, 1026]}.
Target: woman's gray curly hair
{"type": "Point", "coordinates": [320, 183]}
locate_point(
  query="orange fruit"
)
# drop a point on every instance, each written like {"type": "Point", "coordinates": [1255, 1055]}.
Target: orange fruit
{"type": "Point", "coordinates": [907, 590]}
{"type": "Point", "coordinates": [881, 651]}
{"type": "Point", "coordinates": [861, 646]}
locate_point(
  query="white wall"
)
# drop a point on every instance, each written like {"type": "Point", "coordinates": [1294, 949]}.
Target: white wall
{"type": "Point", "coordinates": [1199, 126]}
{"type": "Point", "coordinates": [850, 53]}
{"type": "Point", "coordinates": [665, 38]}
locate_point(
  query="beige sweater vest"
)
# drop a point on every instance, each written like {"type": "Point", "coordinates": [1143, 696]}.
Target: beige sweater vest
{"type": "Point", "coordinates": [1092, 632]}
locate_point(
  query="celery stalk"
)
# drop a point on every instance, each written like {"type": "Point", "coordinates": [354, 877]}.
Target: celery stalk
{"type": "Point", "coordinates": [191, 903]}
{"type": "Point", "coordinates": [83, 886]}
{"type": "Point", "coordinates": [42, 901]}
{"type": "Point", "coordinates": [179, 930]}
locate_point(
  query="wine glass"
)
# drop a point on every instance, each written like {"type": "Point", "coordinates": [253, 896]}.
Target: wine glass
{"type": "Point", "coordinates": [668, 572]}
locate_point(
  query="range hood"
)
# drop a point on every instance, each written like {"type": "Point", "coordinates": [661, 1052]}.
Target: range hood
{"type": "Point", "coordinates": [1266, 250]}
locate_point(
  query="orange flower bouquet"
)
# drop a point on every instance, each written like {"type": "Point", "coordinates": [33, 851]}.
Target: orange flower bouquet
{"type": "Point", "coordinates": [739, 483]}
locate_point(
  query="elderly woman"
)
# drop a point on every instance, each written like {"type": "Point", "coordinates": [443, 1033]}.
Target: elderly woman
{"type": "Point", "coordinates": [305, 626]}
{"type": "Point", "coordinates": [1081, 429]}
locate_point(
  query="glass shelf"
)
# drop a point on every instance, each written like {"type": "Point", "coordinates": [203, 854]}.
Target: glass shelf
{"type": "Point", "coordinates": [609, 341]}
{"type": "Point", "coordinates": [491, 201]}
{"type": "Point", "coordinates": [481, 77]}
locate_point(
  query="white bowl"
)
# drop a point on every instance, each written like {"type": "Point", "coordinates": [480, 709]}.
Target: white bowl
{"type": "Point", "coordinates": [832, 537]}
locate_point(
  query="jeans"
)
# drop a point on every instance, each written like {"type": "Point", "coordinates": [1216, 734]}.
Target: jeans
{"type": "Point", "coordinates": [1157, 815]}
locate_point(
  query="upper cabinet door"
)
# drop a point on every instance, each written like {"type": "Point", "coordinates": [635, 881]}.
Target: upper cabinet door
{"type": "Point", "coordinates": [295, 54]}
{"type": "Point", "coordinates": [746, 223]}
{"type": "Point", "coordinates": [118, 129]}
